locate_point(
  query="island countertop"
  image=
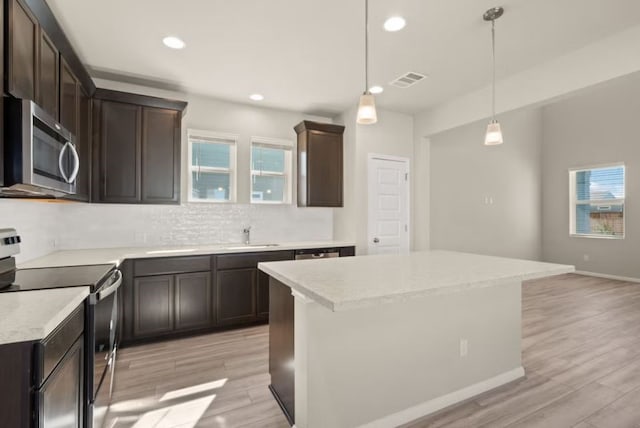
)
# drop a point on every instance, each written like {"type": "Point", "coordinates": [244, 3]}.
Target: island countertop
{"type": "Point", "coordinates": [353, 282]}
{"type": "Point", "coordinates": [32, 315]}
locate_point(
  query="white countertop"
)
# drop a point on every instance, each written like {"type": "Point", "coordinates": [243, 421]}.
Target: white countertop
{"type": "Point", "coordinates": [352, 282]}
{"type": "Point", "coordinates": [33, 315]}
{"type": "Point", "coordinates": [118, 255]}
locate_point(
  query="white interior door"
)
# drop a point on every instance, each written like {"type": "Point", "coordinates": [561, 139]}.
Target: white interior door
{"type": "Point", "coordinates": [388, 229]}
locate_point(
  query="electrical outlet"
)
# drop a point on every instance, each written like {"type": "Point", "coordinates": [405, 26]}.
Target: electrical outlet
{"type": "Point", "coordinates": [586, 257]}
{"type": "Point", "coordinates": [464, 347]}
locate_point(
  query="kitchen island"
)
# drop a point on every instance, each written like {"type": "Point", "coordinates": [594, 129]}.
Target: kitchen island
{"type": "Point", "coordinates": [383, 340]}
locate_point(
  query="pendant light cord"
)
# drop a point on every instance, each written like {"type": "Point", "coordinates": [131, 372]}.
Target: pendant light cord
{"type": "Point", "coordinates": [366, 46]}
{"type": "Point", "coordinates": [493, 50]}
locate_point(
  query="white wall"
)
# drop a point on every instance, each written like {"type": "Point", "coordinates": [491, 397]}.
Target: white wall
{"type": "Point", "coordinates": [391, 135]}
{"type": "Point", "coordinates": [597, 127]}
{"type": "Point", "coordinates": [344, 218]}
{"type": "Point", "coordinates": [464, 173]}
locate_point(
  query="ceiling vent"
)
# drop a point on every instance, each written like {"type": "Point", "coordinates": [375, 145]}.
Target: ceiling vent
{"type": "Point", "coordinates": [407, 79]}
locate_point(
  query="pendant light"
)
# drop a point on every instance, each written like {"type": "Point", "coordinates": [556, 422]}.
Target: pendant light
{"type": "Point", "coordinates": [493, 136]}
{"type": "Point", "coordinates": [367, 108]}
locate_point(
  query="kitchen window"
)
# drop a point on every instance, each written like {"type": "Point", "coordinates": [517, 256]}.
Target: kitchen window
{"type": "Point", "coordinates": [212, 172]}
{"type": "Point", "coordinates": [271, 165]}
{"type": "Point", "coordinates": [597, 201]}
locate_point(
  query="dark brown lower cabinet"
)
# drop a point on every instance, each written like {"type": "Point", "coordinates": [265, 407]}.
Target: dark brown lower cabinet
{"type": "Point", "coordinates": [59, 400]}
{"type": "Point", "coordinates": [166, 304]}
{"type": "Point", "coordinates": [172, 296]}
{"type": "Point", "coordinates": [281, 348]}
{"type": "Point", "coordinates": [153, 305]}
{"type": "Point", "coordinates": [236, 295]}
{"type": "Point", "coordinates": [263, 296]}
{"type": "Point", "coordinates": [193, 300]}
{"type": "Point", "coordinates": [42, 381]}
{"type": "Point", "coordinates": [242, 291]}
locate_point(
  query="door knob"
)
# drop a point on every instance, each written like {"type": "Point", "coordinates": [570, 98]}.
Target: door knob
{"type": "Point", "coordinates": [376, 240]}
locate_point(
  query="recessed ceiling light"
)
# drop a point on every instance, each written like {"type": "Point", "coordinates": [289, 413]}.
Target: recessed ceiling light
{"type": "Point", "coordinates": [173, 42]}
{"type": "Point", "coordinates": [376, 90]}
{"type": "Point", "coordinates": [395, 23]}
{"type": "Point", "coordinates": [256, 97]}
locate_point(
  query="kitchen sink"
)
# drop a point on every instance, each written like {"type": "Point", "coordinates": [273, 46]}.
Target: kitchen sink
{"type": "Point", "coordinates": [251, 246]}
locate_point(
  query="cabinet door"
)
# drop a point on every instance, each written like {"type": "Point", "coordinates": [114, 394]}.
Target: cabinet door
{"type": "Point", "coordinates": [83, 145]}
{"type": "Point", "coordinates": [68, 98]}
{"type": "Point", "coordinates": [60, 400]}
{"type": "Point", "coordinates": [235, 295]}
{"type": "Point", "coordinates": [119, 152]}
{"type": "Point", "coordinates": [193, 300]}
{"type": "Point", "coordinates": [153, 305]}
{"type": "Point", "coordinates": [263, 296]}
{"type": "Point", "coordinates": [324, 169]}
{"type": "Point", "coordinates": [160, 155]}
{"type": "Point", "coordinates": [48, 77]}
{"type": "Point", "coordinates": [22, 46]}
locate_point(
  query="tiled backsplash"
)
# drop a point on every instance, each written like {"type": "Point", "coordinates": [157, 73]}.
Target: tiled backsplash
{"type": "Point", "coordinates": [49, 226]}
{"type": "Point", "coordinates": [37, 222]}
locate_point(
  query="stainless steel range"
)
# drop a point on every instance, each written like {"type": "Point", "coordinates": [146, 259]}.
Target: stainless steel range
{"type": "Point", "coordinates": [101, 315]}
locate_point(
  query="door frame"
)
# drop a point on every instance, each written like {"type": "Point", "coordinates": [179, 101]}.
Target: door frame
{"type": "Point", "coordinates": [371, 188]}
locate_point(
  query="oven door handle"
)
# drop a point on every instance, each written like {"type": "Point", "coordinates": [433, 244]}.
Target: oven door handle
{"type": "Point", "coordinates": [111, 288]}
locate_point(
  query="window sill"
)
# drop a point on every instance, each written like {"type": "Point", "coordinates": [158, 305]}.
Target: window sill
{"type": "Point", "coordinates": [610, 237]}
{"type": "Point", "coordinates": [207, 201]}
{"type": "Point", "coordinates": [269, 203]}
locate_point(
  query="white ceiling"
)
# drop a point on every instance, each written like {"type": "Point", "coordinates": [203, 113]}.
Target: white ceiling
{"type": "Point", "coordinates": [307, 55]}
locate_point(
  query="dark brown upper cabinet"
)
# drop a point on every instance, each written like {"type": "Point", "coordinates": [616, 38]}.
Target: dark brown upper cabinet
{"type": "Point", "coordinates": [83, 145]}
{"type": "Point", "coordinates": [48, 75]}
{"type": "Point", "coordinates": [22, 51]}
{"type": "Point", "coordinates": [136, 148]}
{"type": "Point", "coordinates": [160, 155]}
{"type": "Point", "coordinates": [116, 152]}
{"type": "Point", "coordinates": [320, 174]}
{"type": "Point", "coordinates": [69, 90]}
{"type": "Point", "coordinates": [75, 115]}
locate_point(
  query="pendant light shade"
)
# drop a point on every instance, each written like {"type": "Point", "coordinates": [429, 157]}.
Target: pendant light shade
{"type": "Point", "coordinates": [367, 108]}
{"type": "Point", "coordinates": [494, 134]}
{"type": "Point", "coordinates": [493, 137]}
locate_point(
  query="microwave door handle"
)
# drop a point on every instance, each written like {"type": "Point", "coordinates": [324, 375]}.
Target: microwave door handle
{"type": "Point", "coordinates": [76, 166]}
{"type": "Point", "coordinates": [60, 165]}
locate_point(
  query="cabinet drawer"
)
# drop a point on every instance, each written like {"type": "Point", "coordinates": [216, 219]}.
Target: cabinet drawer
{"type": "Point", "coordinates": [250, 260]}
{"type": "Point", "coordinates": [171, 265]}
{"type": "Point", "coordinates": [52, 349]}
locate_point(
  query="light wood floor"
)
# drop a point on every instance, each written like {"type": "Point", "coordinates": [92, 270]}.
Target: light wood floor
{"type": "Point", "coordinates": [581, 352]}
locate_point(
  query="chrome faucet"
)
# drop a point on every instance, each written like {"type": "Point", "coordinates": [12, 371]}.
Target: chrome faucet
{"type": "Point", "coordinates": [247, 234]}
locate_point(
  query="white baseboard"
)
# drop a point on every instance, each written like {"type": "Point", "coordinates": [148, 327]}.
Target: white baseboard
{"type": "Point", "coordinates": [432, 406]}
{"type": "Point", "coordinates": [607, 276]}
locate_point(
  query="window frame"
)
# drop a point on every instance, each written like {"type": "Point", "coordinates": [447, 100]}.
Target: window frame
{"type": "Point", "coordinates": [276, 143]}
{"type": "Point", "coordinates": [203, 136]}
{"type": "Point", "coordinates": [573, 201]}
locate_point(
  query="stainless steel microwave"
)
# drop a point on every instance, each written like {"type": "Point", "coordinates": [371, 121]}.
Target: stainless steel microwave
{"type": "Point", "coordinates": [40, 155]}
